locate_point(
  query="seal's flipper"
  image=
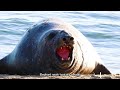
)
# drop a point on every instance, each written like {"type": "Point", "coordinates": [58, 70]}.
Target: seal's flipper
{"type": "Point", "coordinates": [101, 68]}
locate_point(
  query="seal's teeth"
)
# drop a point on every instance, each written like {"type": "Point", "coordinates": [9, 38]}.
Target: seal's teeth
{"type": "Point", "coordinates": [69, 58]}
{"type": "Point", "coordinates": [60, 47]}
{"type": "Point", "coordinates": [67, 46]}
{"type": "Point", "coordinates": [62, 59]}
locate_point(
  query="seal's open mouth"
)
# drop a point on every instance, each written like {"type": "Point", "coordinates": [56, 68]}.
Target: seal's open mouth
{"type": "Point", "coordinates": [64, 52]}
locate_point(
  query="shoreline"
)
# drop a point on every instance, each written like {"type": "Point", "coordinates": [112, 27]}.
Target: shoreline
{"type": "Point", "coordinates": [90, 76]}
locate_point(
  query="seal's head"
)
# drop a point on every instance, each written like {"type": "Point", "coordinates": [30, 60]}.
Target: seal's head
{"type": "Point", "coordinates": [58, 49]}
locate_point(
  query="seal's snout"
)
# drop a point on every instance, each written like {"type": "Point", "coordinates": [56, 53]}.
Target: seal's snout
{"type": "Point", "coordinates": [67, 39]}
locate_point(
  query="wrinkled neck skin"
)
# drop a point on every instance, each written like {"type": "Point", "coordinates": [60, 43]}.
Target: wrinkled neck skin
{"type": "Point", "coordinates": [49, 62]}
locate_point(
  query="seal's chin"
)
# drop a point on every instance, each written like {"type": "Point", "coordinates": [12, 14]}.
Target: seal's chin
{"type": "Point", "coordinates": [64, 53]}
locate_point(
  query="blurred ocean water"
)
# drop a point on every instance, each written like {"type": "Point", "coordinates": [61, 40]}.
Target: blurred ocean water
{"type": "Point", "coordinates": [102, 29]}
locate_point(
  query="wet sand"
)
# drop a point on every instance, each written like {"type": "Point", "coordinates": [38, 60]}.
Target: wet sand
{"type": "Point", "coordinates": [90, 76]}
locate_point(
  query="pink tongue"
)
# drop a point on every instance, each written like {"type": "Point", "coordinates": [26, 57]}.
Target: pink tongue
{"type": "Point", "coordinates": [63, 53]}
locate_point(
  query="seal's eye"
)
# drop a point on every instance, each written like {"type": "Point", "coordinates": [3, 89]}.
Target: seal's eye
{"type": "Point", "coordinates": [51, 35]}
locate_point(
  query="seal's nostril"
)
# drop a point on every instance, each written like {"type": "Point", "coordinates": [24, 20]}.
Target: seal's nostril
{"type": "Point", "coordinates": [71, 38]}
{"type": "Point", "coordinates": [64, 39]}
{"type": "Point", "coordinates": [67, 38]}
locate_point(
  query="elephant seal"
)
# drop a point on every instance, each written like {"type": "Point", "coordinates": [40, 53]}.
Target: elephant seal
{"type": "Point", "coordinates": [53, 46]}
